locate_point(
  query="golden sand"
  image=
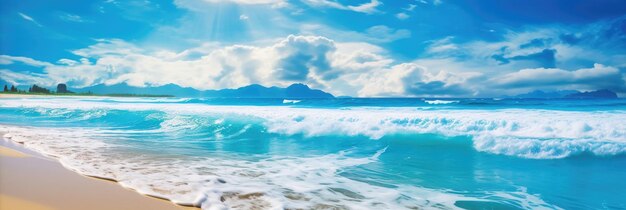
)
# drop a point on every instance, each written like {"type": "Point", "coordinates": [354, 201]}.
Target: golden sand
{"type": "Point", "coordinates": [10, 202]}
{"type": "Point", "coordinates": [11, 153]}
{"type": "Point", "coordinates": [37, 183]}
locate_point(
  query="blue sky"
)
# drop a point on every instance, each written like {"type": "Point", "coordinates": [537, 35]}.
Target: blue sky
{"type": "Point", "coordinates": [465, 48]}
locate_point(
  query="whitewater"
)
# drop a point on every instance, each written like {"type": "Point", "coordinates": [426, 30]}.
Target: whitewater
{"type": "Point", "coordinates": [337, 153]}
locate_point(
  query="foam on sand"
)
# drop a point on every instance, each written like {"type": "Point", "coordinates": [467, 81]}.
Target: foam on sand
{"type": "Point", "coordinates": [39, 183]}
{"type": "Point", "coordinates": [276, 182]}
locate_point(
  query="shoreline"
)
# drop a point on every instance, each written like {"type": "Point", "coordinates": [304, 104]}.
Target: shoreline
{"type": "Point", "coordinates": [23, 185]}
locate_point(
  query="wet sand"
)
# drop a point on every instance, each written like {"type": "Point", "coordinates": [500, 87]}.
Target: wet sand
{"type": "Point", "coordinates": [31, 181]}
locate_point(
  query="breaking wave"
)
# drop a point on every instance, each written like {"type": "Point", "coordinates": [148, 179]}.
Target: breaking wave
{"type": "Point", "coordinates": [276, 182]}
{"type": "Point", "coordinates": [538, 134]}
{"type": "Point", "coordinates": [440, 102]}
{"type": "Point", "coordinates": [85, 136]}
{"type": "Point", "coordinates": [286, 101]}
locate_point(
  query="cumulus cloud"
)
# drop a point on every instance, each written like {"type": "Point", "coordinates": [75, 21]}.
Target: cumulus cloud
{"type": "Point", "coordinates": [389, 82]}
{"type": "Point", "coordinates": [598, 77]}
{"type": "Point", "coordinates": [411, 79]}
{"type": "Point", "coordinates": [24, 78]}
{"type": "Point", "coordinates": [342, 68]}
{"type": "Point", "coordinates": [293, 59]}
{"type": "Point", "coordinates": [304, 56]}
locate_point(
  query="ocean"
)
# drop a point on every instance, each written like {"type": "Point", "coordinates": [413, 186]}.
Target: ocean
{"type": "Point", "coordinates": [343, 153]}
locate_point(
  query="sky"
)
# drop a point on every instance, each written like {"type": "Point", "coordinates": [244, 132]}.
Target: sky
{"type": "Point", "coordinates": [364, 48]}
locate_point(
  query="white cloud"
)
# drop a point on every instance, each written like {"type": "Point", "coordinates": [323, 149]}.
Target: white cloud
{"type": "Point", "coordinates": [28, 18]}
{"type": "Point", "coordinates": [535, 48]}
{"type": "Point", "coordinates": [7, 59]}
{"type": "Point", "coordinates": [389, 82]}
{"type": "Point", "coordinates": [387, 34]}
{"type": "Point", "coordinates": [402, 16]}
{"type": "Point", "coordinates": [192, 4]}
{"type": "Point", "coordinates": [243, 17]}
{"type": "Point", "coordinates": [344, 68]}
{"type": "Point", "coordinates": [349, 66]}
{"type": "Point", "coordinates": [72, 18]}
{"type": "Point", "coordinates": [116, 61]}
{"type": "Point", "coordinates": [248, 1]}
{"type": "Point", "coordinates": [586, 79]}
{"type": "Point", "coordinates": [374, 34]}
{"type": "Point", "coordinates": [368, 8]}
{"type": "Point", "coordinates": [442, 45]}
{"type": "Point", "coordinates": [68, 62]}
{"type": "Point", "coordinates": [411, 7]}
{"type": "Point", "coordinates": [412, 79]}
{"type": "Point", "coordinates": [15, 78]}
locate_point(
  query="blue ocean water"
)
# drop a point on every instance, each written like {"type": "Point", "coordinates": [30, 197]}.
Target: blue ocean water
{"type": "Point", "coordinates": [345, 153]}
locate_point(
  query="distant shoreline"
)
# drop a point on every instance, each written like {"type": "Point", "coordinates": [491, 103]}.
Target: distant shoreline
{"type": "Point", "coordinates": [37, 95]}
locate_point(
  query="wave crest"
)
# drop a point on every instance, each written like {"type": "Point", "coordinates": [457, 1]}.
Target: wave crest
{"type": "Point", "coordinates": [276, 182]}
{"type": "Point", "coordinates": [516, 132]}
{"type": "Point", "coordinates": [435, 102]}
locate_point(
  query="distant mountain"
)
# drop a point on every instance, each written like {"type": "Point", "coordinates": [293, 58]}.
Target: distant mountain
{"type": "Point", "coordinates": [250, 91]}
{"type": "Point", "coordinates": [543, 94]}
{"type": "Point", "coordinates": [123, 88]}
{"type": "Point", "coordinates": [568, 94]}
{"type": "Point", "coordinates": [259, 91]}
{"type": "Point", "coordinates": [604, 93]}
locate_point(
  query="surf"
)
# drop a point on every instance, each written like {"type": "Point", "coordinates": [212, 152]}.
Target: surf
{"type": "Point", "coordinates": [276, 156]}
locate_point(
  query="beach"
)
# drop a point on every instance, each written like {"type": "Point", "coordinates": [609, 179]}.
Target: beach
{"type": "Point", "coordinates": [4, 95]}
{"type": "Point", "coordinates": [31, 181]}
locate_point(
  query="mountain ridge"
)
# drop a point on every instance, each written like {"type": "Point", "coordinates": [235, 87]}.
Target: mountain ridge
{"type": "Point", "coordinates": [568, 94]}
{"type": "Point", "coordinates": [296, 90]}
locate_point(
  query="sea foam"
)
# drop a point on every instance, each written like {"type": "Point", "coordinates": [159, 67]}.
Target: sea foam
{"type": "Point", "coordinates": [299, 182]}
{"type": "Point", "coordinates": [517, 132]}
{"type": "Point", "coordinates": [277, 182]}
{"type": "Point", "coordinates": [440, 101]}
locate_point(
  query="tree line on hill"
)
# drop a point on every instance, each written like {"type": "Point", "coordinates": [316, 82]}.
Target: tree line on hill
{"type": "Point", "coordinates": [61, 88]}
{"type": "Point", "coordinates": [12, 89]}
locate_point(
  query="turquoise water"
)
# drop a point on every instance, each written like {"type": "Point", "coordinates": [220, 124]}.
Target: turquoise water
{"type": "Point", "coordinates": [339, 153]}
